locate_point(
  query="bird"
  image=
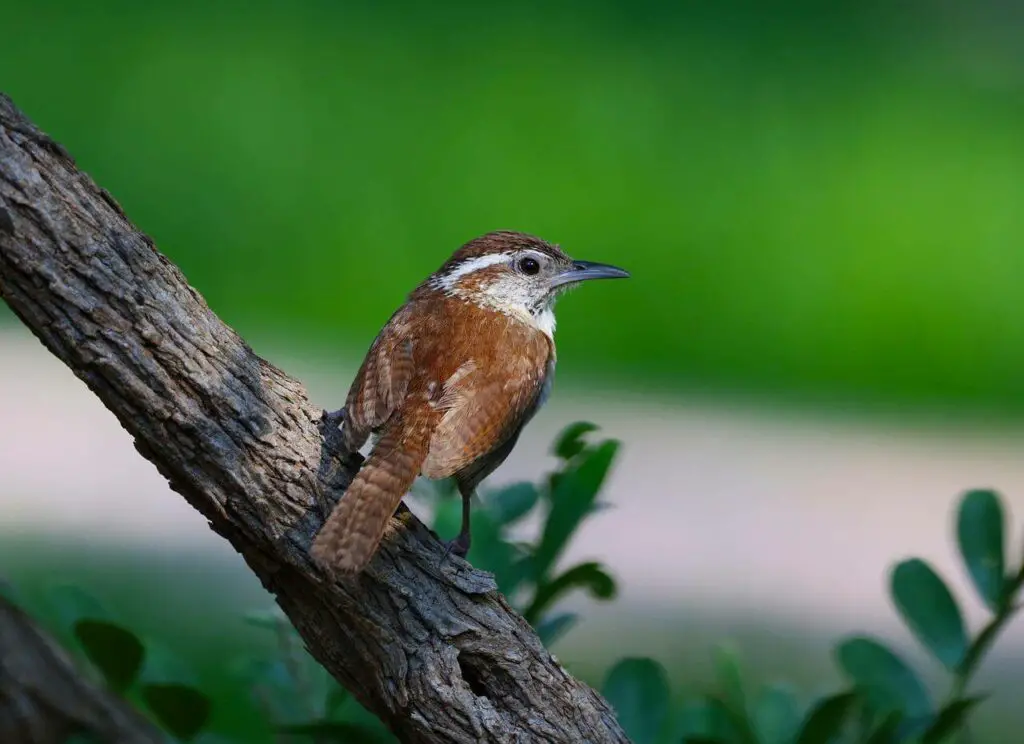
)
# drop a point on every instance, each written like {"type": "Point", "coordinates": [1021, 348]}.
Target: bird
{"type": "Point", "coordinates": [448, 384]}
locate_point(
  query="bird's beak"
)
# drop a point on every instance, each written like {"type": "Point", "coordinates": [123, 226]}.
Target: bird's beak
{"type": "Point", "coordinates": [583, 270]}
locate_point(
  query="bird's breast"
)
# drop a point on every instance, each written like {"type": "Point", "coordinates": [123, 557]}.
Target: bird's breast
{"type": "Point", "coordinates": [458, 339]}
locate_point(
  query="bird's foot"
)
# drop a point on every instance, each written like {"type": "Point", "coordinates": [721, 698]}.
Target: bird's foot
{"type": "Point", "coordinates": [334, 437]}
{"type": "Point", "coordinates": [333, 419]}
{"type": "Point", "coordinates": [330, 429]}
{"type": "Point", "coordinates": [459, 546]}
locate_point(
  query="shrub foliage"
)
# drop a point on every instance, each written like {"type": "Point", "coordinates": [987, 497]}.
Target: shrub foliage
{"type": "Point", "coordinates": [884, 700]}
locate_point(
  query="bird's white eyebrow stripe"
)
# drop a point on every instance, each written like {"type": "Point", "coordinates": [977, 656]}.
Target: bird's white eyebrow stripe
{"type": "Point", "coordinates": [447, 281]}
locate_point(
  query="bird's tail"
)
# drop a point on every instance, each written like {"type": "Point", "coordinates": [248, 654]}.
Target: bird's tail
{"type": "Point", "coordinates": [352, 532]}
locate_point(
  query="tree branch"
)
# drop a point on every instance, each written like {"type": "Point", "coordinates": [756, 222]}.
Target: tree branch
{"type": "Point", "coordinates": [429, 645]}
{"type": "Point", "coordinates": [44, 699]}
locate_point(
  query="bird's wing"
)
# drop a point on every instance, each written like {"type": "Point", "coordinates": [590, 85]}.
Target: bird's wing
{"type": "Point", "coordinates": [483, 405]}
{"type": "Point", "coordinates": [380, 386]}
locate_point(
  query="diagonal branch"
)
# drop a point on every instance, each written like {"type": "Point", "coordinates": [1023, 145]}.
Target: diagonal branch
{"type": "Point", "coordinates": [428, 645]}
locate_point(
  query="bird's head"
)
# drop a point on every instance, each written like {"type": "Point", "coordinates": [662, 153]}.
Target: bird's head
{"type": "Point", "coordinates": [517, 274]}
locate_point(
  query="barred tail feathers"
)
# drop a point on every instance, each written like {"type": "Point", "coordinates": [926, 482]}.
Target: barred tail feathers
{"type": "Point", "coordinates": [350, 536]}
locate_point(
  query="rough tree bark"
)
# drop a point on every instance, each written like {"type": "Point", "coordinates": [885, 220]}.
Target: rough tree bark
{"type": "Point", "coordinates": [430, 646]}
{"type": "Point", "coordinates": [44, 699]}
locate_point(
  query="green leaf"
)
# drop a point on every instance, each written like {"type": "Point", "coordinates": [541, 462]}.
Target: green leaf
{"type": "Point", "coordinates": [588, 576]}
{"type": "Point", "coordinates": [930, 611]}
{"type": "Point", "coordinates": [741, 729]}
{"type": "Point", "coordinates": [638, 691]}
{"type": "Point", "coordinates": [520, 570]}
{"type": "Point", "coordinates": [776, 715]}
{"type": "Point", "coordinates": [513, 502]}
{"type": "Point", "coordinates": [550, 629]}
{"type": "Point", "coordinates": [731, 696]}
{"type": "Point", "coordinates": [447, 516]}
{"type": "Point", "coordinates": [884, 678]}
{"type": "Point", "coordinates": [572, 500]}
{"type": "Point", "coordinates": [981, 534]}
{"type": "Point", "coordinates": [489, 551]}
{"type": "Point", "coordinates": [730, 679]}
{"type": "Point", "coordinates": [827, 718]}
{"type": "Point", "coordinates": [706, 721]}
{"type": "Point", "coordinates": [114, 650]}
{"type": "Point", "coordinates": [339, 731]}
{"type": "Point", "coordinates": [950, 720]}
{"type": "Point", "coordinates": [887, 731]}
{"type": "Point", "coordinates": [570, 442]}
{"type": "Point", "coordinates": [183, 711]}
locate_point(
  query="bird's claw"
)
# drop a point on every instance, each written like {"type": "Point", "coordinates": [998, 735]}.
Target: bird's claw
{"type": "Point", "coordinates": [459, 546]}
{"type": "Point", "coordinates": [333, 419]}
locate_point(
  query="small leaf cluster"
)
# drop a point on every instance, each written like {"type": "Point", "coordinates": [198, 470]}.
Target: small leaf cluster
{"type": "Point", "coordinates": [144, 674]}
{"type": "Point", "coordinates": [885, 702]}
{"type": "Point", "coordinates": [527, 571]}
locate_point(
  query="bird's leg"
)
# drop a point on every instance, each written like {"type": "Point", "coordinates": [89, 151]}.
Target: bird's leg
{"type": "Point", "coordinates": [333, 419]}
{"type": "Point", "coordinates": [460, 545]}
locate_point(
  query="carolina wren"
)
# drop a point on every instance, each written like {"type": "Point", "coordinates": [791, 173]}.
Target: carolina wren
{"type": "Point", "coordinates": [449, 383]}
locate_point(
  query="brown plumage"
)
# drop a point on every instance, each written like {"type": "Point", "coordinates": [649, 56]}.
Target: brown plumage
{"type": "Point", "coordinates": [448, 384]}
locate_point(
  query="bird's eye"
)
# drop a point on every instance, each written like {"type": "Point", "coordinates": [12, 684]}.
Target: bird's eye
{"type": "Point", "coordinates": [529, 266]}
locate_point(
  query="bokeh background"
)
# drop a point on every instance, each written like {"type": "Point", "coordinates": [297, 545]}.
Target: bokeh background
{"type": "Point", "coordinates": [822, 346]}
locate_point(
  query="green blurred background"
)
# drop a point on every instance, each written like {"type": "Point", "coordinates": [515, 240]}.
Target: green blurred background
{"type": "Point", "coordinates": [814, 197]}
{"type": "Point", "coordinates": [821, 204]}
